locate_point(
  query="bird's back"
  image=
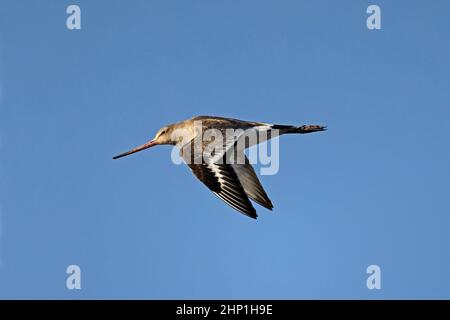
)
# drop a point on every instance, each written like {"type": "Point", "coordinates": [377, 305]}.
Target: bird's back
{"type": "Point", "coordinates": [222, 122]}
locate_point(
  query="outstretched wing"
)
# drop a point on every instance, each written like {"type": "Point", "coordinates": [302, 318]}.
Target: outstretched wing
{"type": "Point", "coordinates": [251, 184]}
{"type": "Point", "coordinates": [223, 181]}
{"type": "Point", "coordinates": [232, 180]}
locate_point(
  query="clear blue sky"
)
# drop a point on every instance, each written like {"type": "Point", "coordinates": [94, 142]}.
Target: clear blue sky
{"type": "Point", "coordinates": [374, 189]}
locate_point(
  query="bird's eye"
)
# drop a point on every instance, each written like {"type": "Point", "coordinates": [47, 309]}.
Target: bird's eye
{"type": "Point", "coordinates": [162, 132]}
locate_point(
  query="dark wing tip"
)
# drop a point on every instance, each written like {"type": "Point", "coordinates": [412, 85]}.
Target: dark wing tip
{"type": "Point", "coordinates": [253, 215]}
{"type": "Point", "coordinates": [266, 203]}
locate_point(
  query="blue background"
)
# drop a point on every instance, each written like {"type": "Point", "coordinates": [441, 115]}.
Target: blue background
{"type": "Point", "coordinates": [374, 189]}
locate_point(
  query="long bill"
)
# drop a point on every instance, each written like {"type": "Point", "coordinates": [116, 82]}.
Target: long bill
{"type": "Point", "coordinates": [147, 145]}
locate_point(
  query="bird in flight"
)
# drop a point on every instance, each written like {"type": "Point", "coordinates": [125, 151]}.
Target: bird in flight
{"type": "Point", "coordinates": [214, 149]}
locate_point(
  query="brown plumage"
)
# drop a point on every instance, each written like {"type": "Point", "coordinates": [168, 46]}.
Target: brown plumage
{"type": "Point", "coordinates": [234, 182]}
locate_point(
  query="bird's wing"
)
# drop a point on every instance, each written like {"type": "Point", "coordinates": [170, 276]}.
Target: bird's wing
{"type": "Point", "coordinates": [223, 181]}
{"type": "Point", "coordinates": [214, 173]}
{"type": "Point", "coordinates": [251, 184]}
{"type": "Point", "coordinates": [218, 138]}
{"type": "Point", "coordinates": [231, 145]}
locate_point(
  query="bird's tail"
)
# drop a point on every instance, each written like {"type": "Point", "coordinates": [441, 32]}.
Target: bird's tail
{"type": "Point", "coordinates": [301, 129]}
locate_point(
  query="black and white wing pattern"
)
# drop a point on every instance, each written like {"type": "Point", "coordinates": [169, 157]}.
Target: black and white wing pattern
{"type": "Point", "coordinates": [223, 181]}
{"type": "Point", "coordinates": [233, 182]}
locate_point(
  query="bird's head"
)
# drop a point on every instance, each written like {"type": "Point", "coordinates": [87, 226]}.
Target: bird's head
{"type": "Point", "coordinates": [163, 136]}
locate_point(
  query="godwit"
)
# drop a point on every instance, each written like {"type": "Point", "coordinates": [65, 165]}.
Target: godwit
{"type": "Point", "coordinates": [231, 180]}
